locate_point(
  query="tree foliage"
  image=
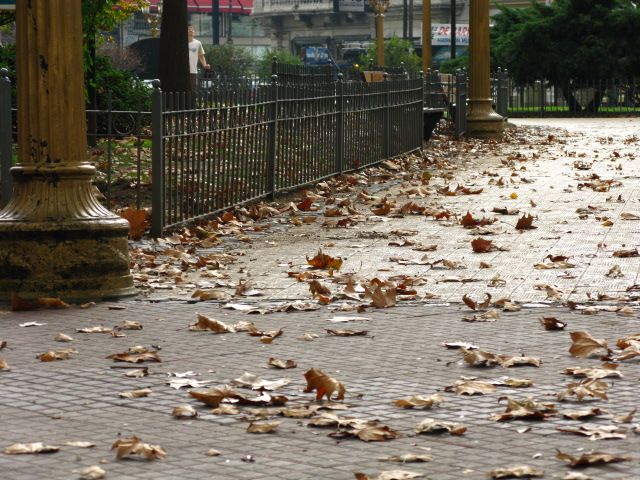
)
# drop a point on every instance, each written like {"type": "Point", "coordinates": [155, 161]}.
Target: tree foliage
{"type": "Point", "coordinates": [568, 39]}
{"type": "Point", "coordinates": [396, 52]}
{"type": "Point", "coordinates": [230, 60]}
{"type": "Point", "coordinates": [281, 56]}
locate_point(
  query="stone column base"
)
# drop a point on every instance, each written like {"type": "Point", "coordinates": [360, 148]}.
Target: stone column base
{"type": "Point", "coordinates": [73, 262]}
{"type": "Point", "coordinates": [482, 121]}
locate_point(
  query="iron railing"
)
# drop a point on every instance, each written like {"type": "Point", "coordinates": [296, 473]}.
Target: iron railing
{"type": "Point", "coordinates": [228, 146]}
{"type": "Point", "coordinates": [574, 98]}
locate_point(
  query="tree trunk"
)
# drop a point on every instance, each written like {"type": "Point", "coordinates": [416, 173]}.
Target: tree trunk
{"type": "Point", "coordinates": [174, 53]}
{"type": "Point", "coordinates": [572, 103]}
{"type": "Point", "coordinates": [596, 102]}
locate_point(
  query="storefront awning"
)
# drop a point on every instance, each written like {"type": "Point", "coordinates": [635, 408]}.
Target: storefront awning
{"type": "Point", "coordinates": [242, 7]}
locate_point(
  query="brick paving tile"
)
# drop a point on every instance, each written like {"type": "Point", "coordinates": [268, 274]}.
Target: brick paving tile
{"type": "Point", "coordinates": [77, 399]}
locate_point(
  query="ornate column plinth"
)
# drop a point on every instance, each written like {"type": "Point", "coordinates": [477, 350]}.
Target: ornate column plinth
{"type": "Point", "coordinates": [56, 239]}
{"type": "Point", "coordinates": [482, 120]}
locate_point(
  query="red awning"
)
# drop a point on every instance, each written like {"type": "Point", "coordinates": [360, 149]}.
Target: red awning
{"type": "Point", "coordinates": [243, 7]}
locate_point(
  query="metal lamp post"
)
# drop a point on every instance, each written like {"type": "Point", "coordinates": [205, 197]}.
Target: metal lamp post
{"type": "Point", "coordinates": [426, 35]}
{"type": "Point", "coordinates": [56, 239]}
{"type": "Point", "coordinates": [379, 7]}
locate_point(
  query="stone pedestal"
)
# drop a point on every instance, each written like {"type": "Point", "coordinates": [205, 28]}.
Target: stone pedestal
{"type": "Point", "coordinates": [482, 120]}
{"type": "Point", "coordinates": [56, 239]}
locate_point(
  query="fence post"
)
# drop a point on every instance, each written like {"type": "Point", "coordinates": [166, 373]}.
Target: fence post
{"type": "Point", "coordinates": [340, 125]}
{"type": "Point", "coordinates": [6, 139]}
{"type": "Point", "coordinates": [157, 162]}
{"type": "Point", "coordinates": [272, 146]}
{"type": "Point", "coordinates": [503, 93]}
{"type": "Point", "coordinates": [274, 65]}
{"type": "Point", "coordinates": [387, 116]}
{"type": "Point", "coordinates": [541, 93]}
{"type": "Point", "coordinates": [461, 103]}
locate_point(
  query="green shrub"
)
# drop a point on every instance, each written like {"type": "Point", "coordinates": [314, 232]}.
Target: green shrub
{"type": "Point", "coordinates": [282, 56]}
{"type": "Point", "coordinates": [450, 66]}
{"type": "Point", "coordinates": [127, 91]}
{"type": "Point", "coordinates": [230, 60]}
{"type": "Point", "coordinates": [396, 52]}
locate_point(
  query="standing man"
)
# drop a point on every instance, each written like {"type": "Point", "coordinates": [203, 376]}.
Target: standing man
{"type": "Point", "coordinates": [196, 53]}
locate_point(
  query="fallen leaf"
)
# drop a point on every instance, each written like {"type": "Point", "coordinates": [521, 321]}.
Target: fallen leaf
{"type": "Point", "coordinates": [471, 387]}
{"type": "Point", "coordinates": [283, 364]}
{"type": "Point", "coordinates": [51, 355]}
{"type": "Point", "coordinates": [61, 337]}
{"type": "Point", "coordinates": [552, 323]}
{"type": "Point", "coordinates": [521, 471]}
{"type": "Point", "coordinates": [418, 401]}
{"type": "Point", "coordinates": [525, 223]}
{"type": "Point", "coordinates": [524, 409]}
{"type": "Point", "coordinates": [97, 329]}
{"type": "Point", "coordinates": [489, 316]}
{"type": "Point", "coordinates": [588, 387]}
{"type": "Point", "coordinates": [507, 361]}
{"type": "Point", "coordinates": [3, 364]}
{"type": "Point", "coordinates": [138, 222]}
{"type": "Point", "coordinates": [135, 355]}
{"type": "Point", "coordinates": [129, 325]}
{"type": "Point", "coordinates": [256, 383]}
{"type": "Point", "coordinates": [226, 409]}
{"type": "Point", "coordinates": [626, 253]}
{"type": "Point", "coordinates": [325, 262]}
{"type": "Point", "coordinates": [323, 384]}
{"type": "Point", "coordinates": [143, 392]}
{"type": "Point", "coordinates": [345, 332]}
{"type": "Point", "coordinates": [381, 298]}
{"type": "Point", "coordinates": [55, 303]}
{"type": "Point", "coordinates": [628, 418]}
{"type": "Point", "coordinates": [22, 448]}
{"type": "Point", "coordinates": [429, 425]}
{"type": "Point", "coordinates": [389, 475]}
{"type": "Point", "coordinates": [583, 414]}
{"type": "Point", "coordinates": [606, 370]}
{"type": "Point", "coordinates": [80, 444]}
{"type": "Point", "coordinates": [211, 324]}
{"type": "Point", "coordinates": [595, 432]}
{"type": "Point", "coordinates": [212, 452]}
{"type": "Point", "coordinates": [591, 458]}
{"type": "Point", "coordinates": [179, 383]}
{"type": "Point", "coordinates": [407, 458]}
{"type": "Point", "coordinates": [93, 472]}
{"type": "Point", "coordinates": [477, 306]}
{"type": "Point", "coordinates": [584, 344]}
{"type": "Point", "coordinates": [263, 427]}
{"type": "Point", "coordinates": [138, 373]}
{"type": "Point", "coordinates": [204, 295]}
{"type": "Point", "coordinates": [134, 446]}
{"type": "Point", "coordinates": [32, 324]}
{"type": "Point", "coordinates": [305, 411]}
{"type": "Point", "coordinates": [481, 245]}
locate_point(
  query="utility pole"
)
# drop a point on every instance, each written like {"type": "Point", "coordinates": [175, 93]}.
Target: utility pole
{"type": "Point", "coordinates": [453, 29]}
{"type": "Point", "coordinates": [215, 21]}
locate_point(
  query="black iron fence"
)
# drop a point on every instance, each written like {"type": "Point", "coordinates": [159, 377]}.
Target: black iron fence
{"type": "Point", "coordinates": [574, 98]}
{"type": "Point", "coordinates": [226, 146]}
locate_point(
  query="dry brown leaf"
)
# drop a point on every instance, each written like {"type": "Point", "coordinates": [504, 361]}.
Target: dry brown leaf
{"type": "Point", "coordinates": [591, 458]}
{"type": "Point", "coordinates": [96, 329]}
{"type": "Point", "coordinates": [628, 418]}
{"type": "Point", "coordinates": [480, 358]}
{"type": "Point", "coordinates": [346, 332]}
{"type": "Point", "coordinates": [527, 409]}
{"type": "Point", "coordinates": [214, 396]}
{"type": "Point", "coordinates": [136, 355]}
{"type": "Point", "coordinates": [207, 323]}
{"type": "Point", "coordinates": [584, 344]}
{"type": "Point", "coordinates": [323, 384]}
{"type": "Point", "coordinates": [226, 409]}
{"type": "Point", "coordinates": [552, 323]}
{"type": "Point", "coordinates": [520, 471]}
{"type": "Point", "coordinates": [482, 245]}
{"type": "Point", "coordinates": [606, 370]}
{"type": "Point", "coordinates": [184, 411]}
{"type": "Point", "coordinates": [126, 447]}
{"type": "Point", "coordinates": [525, 223]}
{"type": "Point", "coordinates": [129, 325]}
{"type": "Point", "coordinates": [381, 298]}
{"type": "Point", "coordinates": [23, 448]}
{"type": "Point", "coordinates": [138, 373]}
{"type": "Point", "coordinates": [429, 425]}
{"type": "Point", "coordinates": [256, 383]}
{"type": "Point", "coordinates": [407, 458]}
{"type": "Point", "coordinates": [588, 387]}
{"type": "Point", "coordinates": [55, 303]}
{"type": "Point", "coordinates": [52, 355]}
{"type": "Point", "coordinates": [626, 253]}
{"type": "Point", "coordinates": [507, 361]}
{"type": "Point", "coordinates": [61, 337]}
{"type": "Point", "coordinates": [316, 288]}
{"type": "Point", "coordinates": [583, 414]}
{"type": "Point", "coordinates": [3, 364]}
{"type": "Point", "coordinates": [283, 364]}
{"type": "Point", "coordinates": [94, 472]}
{"type": "Point", "coordinates": [595, 432]}
{"type": "Point", "coordinates": [418, 401]}
{"type": "Point", "coordinates": [305, 411]}
{"type": "Point", "coordinates": [80, 444]}
{"type": "Point", "coordinates": [138, 222]}
{"type": "Point", "coordinates": [390, 475]}
{"type": "Point", "coordinates": [143, 392]}
{"type": "Point", "coordinates": [471, 387]}
{"type": "Point", "coordinates": [477, 306]}
{"type": "Point", "coordinates": [263, 427]}
{"type": "Point", "coordinates": [372, 433]}
{"type": "Point", "coordinates": [305, 204]}
{"type": "Point", "coordinates": [325, 262]}
{"type": "Point", "coordinates": [488, 316]}
{"type": "Point", "coordinates": [212, 452]}
{"type": "Point", "coordinates": [204, 295]}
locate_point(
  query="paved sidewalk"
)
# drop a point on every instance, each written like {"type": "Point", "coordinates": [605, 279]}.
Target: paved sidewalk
{"type": "Point", "coordinates": [402, 355]}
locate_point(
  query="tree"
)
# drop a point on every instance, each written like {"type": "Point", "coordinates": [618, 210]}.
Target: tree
{"type": "Point", "coordinates": [230, 60]}
{"type": "Point", "coordinates": [569, 40]}
{"type": "Point", "coordinates": [174, 50]}
{"type": "Point", "coordinates": [397, 52]}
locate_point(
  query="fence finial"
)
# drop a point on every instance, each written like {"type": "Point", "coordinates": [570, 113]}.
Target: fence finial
{"type": "Point", "coordinates": [274, 78]}
{"type": "Point", "coordinates": [155, 84]}
{"type": "Point", "coordinates": [340, 77]}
